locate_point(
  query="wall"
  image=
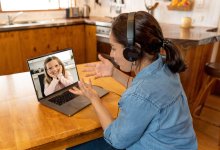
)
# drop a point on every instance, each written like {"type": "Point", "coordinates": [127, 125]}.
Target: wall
{"type": "Point", "coordinates": [204, 13]}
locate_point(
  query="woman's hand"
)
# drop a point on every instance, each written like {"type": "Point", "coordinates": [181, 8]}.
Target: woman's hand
{"type": "Point", "coordinates": [85, 90]}
{"type": "Point", "coordinates": [101, 69]}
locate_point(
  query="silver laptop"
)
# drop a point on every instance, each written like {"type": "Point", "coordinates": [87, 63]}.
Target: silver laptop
{"type": "Point", "coordinates": [52, 84]}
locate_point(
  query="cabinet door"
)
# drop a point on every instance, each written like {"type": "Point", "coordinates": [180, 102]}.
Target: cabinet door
{"type": "Point", "coordinates": [34, 43]}
{"type": "Point", "coordinates": [70, 37]}
{"type": "Point", "coordinates": [37, 42]}
{"type": "Point", "coordinates": [10, 56]}
{"type": "Point", "coordinates": [91, 46]}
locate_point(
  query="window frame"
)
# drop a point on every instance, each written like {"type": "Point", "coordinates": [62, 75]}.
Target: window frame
{"type": "Point", "coordinates": [7, 11]}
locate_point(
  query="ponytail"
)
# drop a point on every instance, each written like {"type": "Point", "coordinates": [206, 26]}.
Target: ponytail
{"type": "Point", "coordinates": [174, 59]}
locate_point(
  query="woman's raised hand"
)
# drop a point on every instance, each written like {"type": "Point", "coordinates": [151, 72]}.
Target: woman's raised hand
{"type": "Point", "coordinates": [101, 69]}
{"type": "Point", "coordinates": [85, 90]}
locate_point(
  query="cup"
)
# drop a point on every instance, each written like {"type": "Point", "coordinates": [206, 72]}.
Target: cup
{"type": "Point", "coordinates": [186, 22]}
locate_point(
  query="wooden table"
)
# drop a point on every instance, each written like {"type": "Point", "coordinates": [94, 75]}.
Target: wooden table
{"type": "Point", "coordinates": [26, 124]}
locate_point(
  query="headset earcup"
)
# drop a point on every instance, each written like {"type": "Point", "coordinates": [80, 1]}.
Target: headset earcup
{"type": "Point", "coordinates": [131, 54]}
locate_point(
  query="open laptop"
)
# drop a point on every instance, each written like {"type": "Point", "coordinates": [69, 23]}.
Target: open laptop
{"type": "Point", "coordinates": [59, 99]}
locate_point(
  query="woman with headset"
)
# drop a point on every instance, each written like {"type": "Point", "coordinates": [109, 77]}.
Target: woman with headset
{"type": "Point", "coordinates": [154, 113]}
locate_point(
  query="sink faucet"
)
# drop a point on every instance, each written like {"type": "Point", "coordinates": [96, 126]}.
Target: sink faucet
{"type": "Point", "coordinates": [11, 18]}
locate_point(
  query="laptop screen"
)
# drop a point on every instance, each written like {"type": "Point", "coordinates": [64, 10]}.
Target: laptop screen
{"type": "Point", "coordinates": [51, 73]}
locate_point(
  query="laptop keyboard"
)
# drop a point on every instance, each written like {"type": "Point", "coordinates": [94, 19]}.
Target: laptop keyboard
{"type": "Point", "coordinates": [63, 98]}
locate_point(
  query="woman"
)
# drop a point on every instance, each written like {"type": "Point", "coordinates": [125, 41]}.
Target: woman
{"type": "Point", "coordinates": [56, 77]}
{"type": "Point", "coordinates": [154, 113]}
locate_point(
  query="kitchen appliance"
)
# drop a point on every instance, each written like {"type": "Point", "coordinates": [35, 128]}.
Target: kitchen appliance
{"type": "Point", "coordinates": [86, 11]}
{"type": "Point", "coordinates": [72, 12]}
{"type": "Point", "coordinates": [102, 36]}
{"type": "Point", "coordinates": [75, 12]}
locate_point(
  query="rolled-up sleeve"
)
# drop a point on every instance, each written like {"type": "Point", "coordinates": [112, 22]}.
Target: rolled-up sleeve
{"type": "Point", "coordinates": [136, 113]}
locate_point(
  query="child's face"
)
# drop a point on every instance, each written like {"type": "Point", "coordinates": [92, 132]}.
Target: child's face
{"type": "Point", "coordinates": [53, 68]}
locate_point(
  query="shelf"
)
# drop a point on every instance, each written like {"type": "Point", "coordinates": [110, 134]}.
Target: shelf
{"type": "Point", "coordinates": [181, 5]}
{"type": "Point", "coordinates": [180, 8]}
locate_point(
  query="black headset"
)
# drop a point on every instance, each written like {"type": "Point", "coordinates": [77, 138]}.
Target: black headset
{"type": "Point", "coordinates": [131, 51]}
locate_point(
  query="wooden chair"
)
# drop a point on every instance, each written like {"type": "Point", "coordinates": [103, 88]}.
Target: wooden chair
{"type": "Point", "coordinates": [213, 74]}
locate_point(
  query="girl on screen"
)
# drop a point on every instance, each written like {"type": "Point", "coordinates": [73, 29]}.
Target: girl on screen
{"type": "Point", "coordinates": [56, 77]}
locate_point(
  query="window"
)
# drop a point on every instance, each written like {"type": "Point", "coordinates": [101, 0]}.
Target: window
{"type": "Point", "coordinates": [22, 5]}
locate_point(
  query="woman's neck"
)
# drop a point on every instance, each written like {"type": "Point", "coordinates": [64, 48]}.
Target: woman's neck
{"type": "Point", "coordinates": [144, 62]}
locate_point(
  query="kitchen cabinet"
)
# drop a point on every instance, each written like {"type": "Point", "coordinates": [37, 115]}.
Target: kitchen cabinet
{"type": "Point", "coordinates": [37, 42]}
{"type": "Point", "coordinates": [10, 57]}
{"type": "Point", "coordinates": [91, 47]}
{"type": "Point", "coordinates": [18, 46]}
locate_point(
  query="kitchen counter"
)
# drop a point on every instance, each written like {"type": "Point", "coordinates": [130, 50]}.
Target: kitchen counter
{"type": "Point", "coordinates": [193, 36]}
{"type": "Point", "coordinates": [24, 25]}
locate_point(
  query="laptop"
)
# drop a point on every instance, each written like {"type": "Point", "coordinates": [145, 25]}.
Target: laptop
{"type": "Point", "coordinates": [54, 91]}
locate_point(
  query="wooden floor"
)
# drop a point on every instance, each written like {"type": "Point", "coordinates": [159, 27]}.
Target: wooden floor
{"type": "Point", "coordinates": [205, 142]}
{"type": "Point", "coordinates": [207, 135]}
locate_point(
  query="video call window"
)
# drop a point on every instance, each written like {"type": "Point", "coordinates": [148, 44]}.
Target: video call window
{"type": "Point", "coordinates": [52, 73]}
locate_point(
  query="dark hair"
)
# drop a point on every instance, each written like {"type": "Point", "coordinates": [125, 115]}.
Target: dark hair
{"type": "Point", "coordinates": [48, 79]}
{"type": "Point", "coordinates": [149, 36]}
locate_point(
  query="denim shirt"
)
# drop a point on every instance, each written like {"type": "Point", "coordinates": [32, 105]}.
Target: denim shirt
{"type": "Point", "coordinates": [154, 113]}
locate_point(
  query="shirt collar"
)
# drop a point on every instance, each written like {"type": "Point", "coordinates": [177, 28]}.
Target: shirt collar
{"type": "Point", "coordinates": [150, 68]}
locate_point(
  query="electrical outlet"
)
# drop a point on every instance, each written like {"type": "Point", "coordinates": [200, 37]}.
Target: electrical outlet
{"type": "Point", "coordinates": [197, 20]}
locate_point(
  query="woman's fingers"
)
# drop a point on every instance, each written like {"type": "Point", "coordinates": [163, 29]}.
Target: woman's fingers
{"type": "Point", "coordinates": [85, 89]}
{"type": "Point", "coordinates": [90, 74]}
{"type": "Point", "coordinates": [101, 58]}
{"type": "Point", "coordinates": [90, 84]}
{"type": "Point", "coordinates": [75, 90]}
{"type": "Point", "coordinates": [90, 69]}
{"type": "Point", "coordinates": [90, 65]}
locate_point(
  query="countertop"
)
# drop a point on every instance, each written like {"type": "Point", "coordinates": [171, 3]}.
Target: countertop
{"type": "Point", "coordinates": [192, 36]}
{"type": "Point", "coordinates": [31, 24]}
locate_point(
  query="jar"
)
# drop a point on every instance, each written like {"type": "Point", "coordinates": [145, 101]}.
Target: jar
{"type": "Point", "coordinates": [186, 22]}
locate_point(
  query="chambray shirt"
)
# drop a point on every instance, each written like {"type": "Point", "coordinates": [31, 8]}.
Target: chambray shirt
{"type": "Point", "coordinates": [154, 113]}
